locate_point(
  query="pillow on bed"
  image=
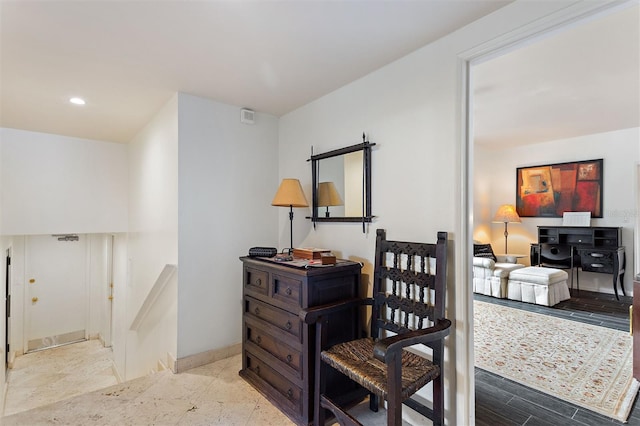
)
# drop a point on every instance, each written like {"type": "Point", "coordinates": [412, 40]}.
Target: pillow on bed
{"type": "Point", "coordinates": [484, 250]}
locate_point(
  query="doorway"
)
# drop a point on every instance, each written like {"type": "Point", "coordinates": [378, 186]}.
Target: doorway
{"type": "Point", "coordinates": [56, 290]}
{"type": "Point", "coordinates": [478, 208]}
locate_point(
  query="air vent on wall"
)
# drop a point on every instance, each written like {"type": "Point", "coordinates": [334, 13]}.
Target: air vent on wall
{"type": "Point", "coordinates": [66, 237]}
{"type": "Point", "coordinates": [247, 116]}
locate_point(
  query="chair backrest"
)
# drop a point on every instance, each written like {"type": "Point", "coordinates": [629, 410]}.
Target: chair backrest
{"type": "Point", "coordinates": [409, 286]}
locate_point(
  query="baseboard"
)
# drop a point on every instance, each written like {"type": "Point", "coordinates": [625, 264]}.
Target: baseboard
{"type": "Point", "coordinates": [172, 363]}
{"type": "Point", "coordinates": [4, 398]}
{"type": "Point", "coordinates": [202, 358]}
{"type": "Point", "coordinates": [11, 360]}
{"type": "Point", "coordinates": [116, 373]}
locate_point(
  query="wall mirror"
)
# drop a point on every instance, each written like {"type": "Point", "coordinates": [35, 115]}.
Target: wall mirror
{"type": "Point", "coordinates": [341, 184]}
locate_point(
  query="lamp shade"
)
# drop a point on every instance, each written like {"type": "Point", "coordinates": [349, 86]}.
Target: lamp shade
{"type": "Point", "coordinates": [290, 194]}
{"type": "Point", "coordinates": [507, 214]}
{"type": "Point", "coordinates": [328, 195]}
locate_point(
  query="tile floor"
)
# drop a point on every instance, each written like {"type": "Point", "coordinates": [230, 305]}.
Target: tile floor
{"type": "Point", "coordinates": [58, 386]}
{"type": "Point", "coordinates": [47, 376]}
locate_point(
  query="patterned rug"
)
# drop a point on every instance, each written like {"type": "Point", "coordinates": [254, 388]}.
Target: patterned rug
{"type": "Point", "coordinates": [583, 364]}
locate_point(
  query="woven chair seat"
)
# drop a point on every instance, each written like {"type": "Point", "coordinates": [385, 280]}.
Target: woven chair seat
{"type": "Point", "coordinates": [355, 360]}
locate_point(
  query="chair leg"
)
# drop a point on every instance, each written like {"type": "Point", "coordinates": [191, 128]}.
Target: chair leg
{"type": "Point", "coordinates": [374, 402]}
{"type": "Point", "coordinates": [319, 385]}
{"type": "Point", "coordinates": [394, 386]}
{"type": "Point", "coordinates": [319, 415]}
{"type": "Point", "coordinates": [343, 417]}
{"type": "Point", "coordinates": [438, 401]}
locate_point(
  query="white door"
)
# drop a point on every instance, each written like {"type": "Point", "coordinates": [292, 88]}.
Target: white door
{"type": "Point", "coordinates": [56, 291]}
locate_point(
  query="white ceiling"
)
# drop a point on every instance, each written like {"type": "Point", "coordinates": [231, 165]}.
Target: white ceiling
{"type": "Point", "coordinates": [581, 80]}
{"type": "Point", "coordinates": [127, 58]}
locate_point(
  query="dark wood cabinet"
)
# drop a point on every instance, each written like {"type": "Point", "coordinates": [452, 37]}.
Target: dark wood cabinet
{"type": "Point", "coordinates": [596, 249]}
{"type": "Point", "coordinates": [277, 347]}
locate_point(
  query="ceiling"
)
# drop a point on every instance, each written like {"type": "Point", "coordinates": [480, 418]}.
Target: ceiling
{"type": "Point", "coordinates": [127, 58]}
{"type": "Point", "coordinates": [582, 80]}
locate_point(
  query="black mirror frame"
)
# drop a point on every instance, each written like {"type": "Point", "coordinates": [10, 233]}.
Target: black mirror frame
{"type": "Point", "coordinates": [365, 146]}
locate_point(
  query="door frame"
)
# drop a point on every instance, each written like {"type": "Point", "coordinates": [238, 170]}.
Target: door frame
{"type": "Point", "coordinates": [557, 20]}
{"type": "Point", "coordinates": [107, 323]}
{"type": "Point", "coordinates": [7, 324]}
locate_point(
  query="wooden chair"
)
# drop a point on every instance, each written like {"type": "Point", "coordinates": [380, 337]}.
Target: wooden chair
{"type": "Point", "coordinates": [408, 306]}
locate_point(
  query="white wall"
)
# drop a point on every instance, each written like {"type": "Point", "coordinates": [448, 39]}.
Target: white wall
{"type": "Point", "coordinates": [621, 154]}
{"type": "Point", "coordinates": [152, 242]}
{"type": "Point", "coordinates": [57, 184]}
{"type": "Point", "coordinates": [228, 175]}
{"type": "Point", "coordinates": [412, 110]}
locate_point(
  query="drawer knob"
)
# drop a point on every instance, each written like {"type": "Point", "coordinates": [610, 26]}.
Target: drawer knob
{"type": "Point", "coordinates": [288, 291]}
{"type": "Point", "coordinates": [290, 393]}
{"type": "Point", "coordinates": [289, 358]}
{"type": "Point", "coordinates": [597, 265]}
{"type": "Point", "coordinates": [258, 282]}
{"type": "Point", "coordinates": [288, 325]}
{"type": "Point", "coordinates": [597, 255]}
{"type": "Point", "coordinates": [257, 311]}
{"type": "Point", "coordinates": [259, 339]}
{"type": "Point", "coordinates": [258, 370]}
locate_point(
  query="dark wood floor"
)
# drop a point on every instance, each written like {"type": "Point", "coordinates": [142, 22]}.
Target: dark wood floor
{"type": "Point", "coordinates": [500, 401]}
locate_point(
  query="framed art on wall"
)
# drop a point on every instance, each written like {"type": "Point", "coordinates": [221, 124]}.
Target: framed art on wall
{"type": "Point", "coordinates": [553, 189]}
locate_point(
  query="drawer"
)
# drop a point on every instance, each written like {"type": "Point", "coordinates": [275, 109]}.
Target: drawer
{"type": "Point", "coordinates": [256, 280]}
{"type": "Point", "coordinates": [288, 392]}
{"type": "Point", "coordinates": [287, 290]}
{"type": "Point", "coordinates": [276, 347]}
{"type": "Point", "coordinates": [608, 241]}
{"type": "Point", "coordinates": [597, 261]}
{"type": "Point", "coordinates": [280, 318]}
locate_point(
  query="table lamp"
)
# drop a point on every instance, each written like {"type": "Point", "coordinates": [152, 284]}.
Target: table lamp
{"type": "Point", "coordinates": [290, 195]}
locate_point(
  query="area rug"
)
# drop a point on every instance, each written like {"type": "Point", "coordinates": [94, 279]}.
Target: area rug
{"type": "Point", "coordinates": [583, 364]}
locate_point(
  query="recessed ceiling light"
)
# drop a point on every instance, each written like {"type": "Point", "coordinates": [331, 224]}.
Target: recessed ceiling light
{"type": "Point", "coordinates": [77, 101]}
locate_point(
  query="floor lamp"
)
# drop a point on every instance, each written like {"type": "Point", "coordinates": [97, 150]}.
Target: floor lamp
{"type": "Point", "coordinates": [506, 214]}
{"type": "Point", "coordinates": [290, 195]}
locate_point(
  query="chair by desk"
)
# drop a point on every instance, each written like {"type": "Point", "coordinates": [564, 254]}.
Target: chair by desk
{"type": "Point", "coordinates": [559, 256]}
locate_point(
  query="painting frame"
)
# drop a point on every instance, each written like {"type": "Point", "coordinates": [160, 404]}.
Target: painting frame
{"type": "Point", "coordinates": [550, 190]}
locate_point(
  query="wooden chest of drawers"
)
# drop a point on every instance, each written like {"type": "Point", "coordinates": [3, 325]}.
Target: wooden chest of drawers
{"type": "Point", "coordinates": [277, 347]}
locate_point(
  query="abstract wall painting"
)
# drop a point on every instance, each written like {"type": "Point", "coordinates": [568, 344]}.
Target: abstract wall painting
{"type": "Point", "coordinates": [551, 190]}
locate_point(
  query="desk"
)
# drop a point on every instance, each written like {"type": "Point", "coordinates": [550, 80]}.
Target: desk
{"type": "Point", "coordinates": [604, 261]}
{"type": "Point", "coordinates": [593, 248]}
